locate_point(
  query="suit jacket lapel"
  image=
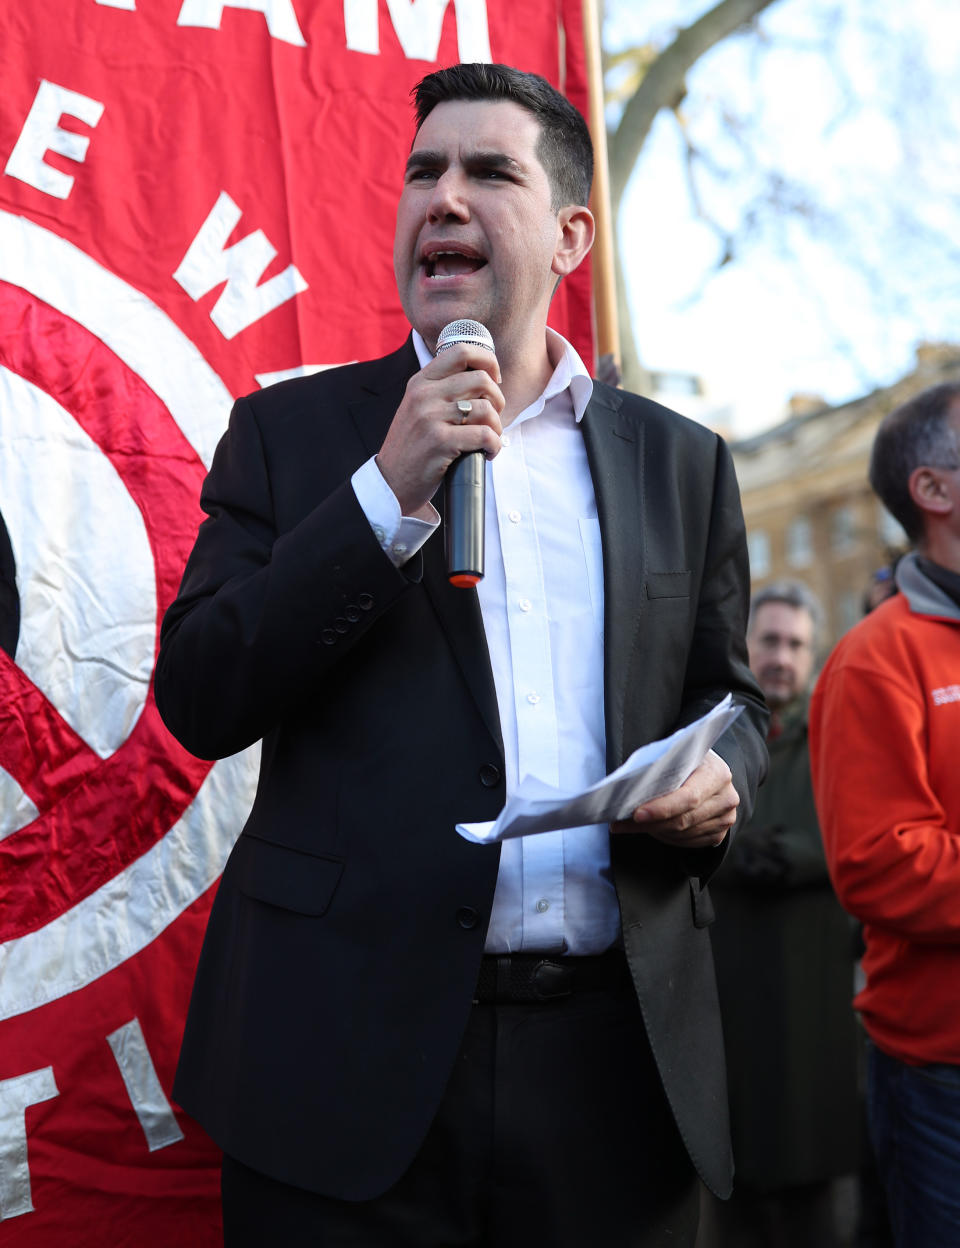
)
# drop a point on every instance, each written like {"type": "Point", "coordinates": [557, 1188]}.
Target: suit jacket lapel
{"type": "Point", "coordinates": [460, 618]}
{"type": "Point", "coordinates": [458, 610]}
{"type": "Point", "coordinates": [382, 383]}
{"type": "Point", "coordinates": [615, 453]}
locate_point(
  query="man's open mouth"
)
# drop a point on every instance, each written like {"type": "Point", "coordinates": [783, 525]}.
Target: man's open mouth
{"type": "Point", "coordinates": [452, 264]}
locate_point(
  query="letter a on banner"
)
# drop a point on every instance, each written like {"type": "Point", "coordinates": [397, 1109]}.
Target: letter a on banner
{"type": "Point", "coordinates": [281, 19]}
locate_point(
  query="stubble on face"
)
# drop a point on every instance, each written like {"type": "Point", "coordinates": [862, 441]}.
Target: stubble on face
{"type": "Point", "coordinates": [476, 232]}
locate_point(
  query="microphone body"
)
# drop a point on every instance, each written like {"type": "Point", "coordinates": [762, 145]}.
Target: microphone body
{"type": "Point", "coordinates": [464, 485]}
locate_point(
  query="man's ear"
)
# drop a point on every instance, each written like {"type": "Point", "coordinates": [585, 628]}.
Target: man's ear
{"type": "Point", "coordinates": [927, 490]}
{"type": "Point", "coordinates": [575, 232]}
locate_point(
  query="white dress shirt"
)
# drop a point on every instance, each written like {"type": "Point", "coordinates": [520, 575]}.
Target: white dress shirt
{"type": "Point", "coordinates": [541, 600]}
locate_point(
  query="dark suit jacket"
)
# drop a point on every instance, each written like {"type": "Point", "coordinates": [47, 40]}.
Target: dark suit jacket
{"type": "Point", "coordinates": [342, 951]}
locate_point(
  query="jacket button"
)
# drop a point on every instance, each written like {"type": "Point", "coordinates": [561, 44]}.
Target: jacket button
{"type": "Point", "coordinates": [489, 775]}
{"type": "Point", "coordinates": [328, 637]}
{"type": "Point", "coordinates": [467, 917]}
{"type": "Point", "coordinates": [365, 601]}
{"type": "Point", "coordinates": [352, 613]}
{"type": "Point", "coordinates": [340, 624]}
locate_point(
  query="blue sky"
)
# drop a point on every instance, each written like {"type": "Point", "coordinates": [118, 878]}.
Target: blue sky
{"type": "Point", "coordinates": [854, 105]}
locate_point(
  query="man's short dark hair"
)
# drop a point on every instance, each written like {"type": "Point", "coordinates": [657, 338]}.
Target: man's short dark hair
{"type": "Point", "coordinates": [564, 148]}
{"type": "Point", "coordinates": [792, 594]}
{"type": "Point", "coordinates": [916, 434]}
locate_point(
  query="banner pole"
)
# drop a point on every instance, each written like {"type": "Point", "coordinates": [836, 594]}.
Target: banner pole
{"type": "Point", "coordinates": [604, 280]}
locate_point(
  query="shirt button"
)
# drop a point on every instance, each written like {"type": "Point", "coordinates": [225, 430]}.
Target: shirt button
{"type": "Point", "coordinates": [467, 917]}
{"type": "Point", "coordinates": [399, 548]}
{"type": "Point", "coordinates": [543, 905]}
{"type": "Point", "coordinates": [514, 517]}
{"type": "Point", "coordinates": [489, 775]}
{"type": "Point", "coordinates": [525, 604]}
{"type": "Point", "coordinates": [379, 534]}
{"type": "Point", "coordinates": [504, 439]}
{"type": "Point", "coordinates": [533, 698]}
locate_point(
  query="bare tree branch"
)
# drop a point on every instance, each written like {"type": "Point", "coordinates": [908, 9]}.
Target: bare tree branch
{"type": "Point", "coordinates": [663, 84]}
{"type": "Point", "coordinates": [856, 216]}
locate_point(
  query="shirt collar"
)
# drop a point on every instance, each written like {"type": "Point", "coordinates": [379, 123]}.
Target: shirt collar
{"type": "Point", "coordinates": [568, 372]}
{"type": "Point", "coordinates": [945, 578]}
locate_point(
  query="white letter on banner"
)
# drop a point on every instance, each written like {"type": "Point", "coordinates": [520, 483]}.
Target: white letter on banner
{"type": "Point", "coordinates": [281, 19]}
{"type": "Point", "coordinates": [209, 262]}
{"type": "Point", "coordinates": [419, 24]}
{"type": "Point", "coordinates": [15, 1095]}
{"type": "Point", "coordinates": [41, 133]}
{"type": "Point", "coordinates": [143, 1087]}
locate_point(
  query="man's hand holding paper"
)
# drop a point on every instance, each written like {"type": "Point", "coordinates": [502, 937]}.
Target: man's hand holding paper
{"type": "Point", "coordinates": [677, 790]}
{"type": "Point", "coordinates": [698, 814]}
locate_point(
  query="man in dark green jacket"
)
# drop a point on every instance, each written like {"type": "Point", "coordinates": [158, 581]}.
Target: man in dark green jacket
{"type": "Point", "coordinates": [784, 951]}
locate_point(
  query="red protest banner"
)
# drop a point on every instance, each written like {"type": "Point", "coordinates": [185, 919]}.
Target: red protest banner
{"type": "Point", "coordinates": [196, 198]}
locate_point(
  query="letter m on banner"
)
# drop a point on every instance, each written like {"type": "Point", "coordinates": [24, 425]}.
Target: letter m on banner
{"type": "Point", "coordinates": [419, 25]}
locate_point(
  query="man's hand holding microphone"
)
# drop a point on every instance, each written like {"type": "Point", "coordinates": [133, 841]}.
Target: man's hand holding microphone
{"type": "Point", "coordinates": [446, 425]}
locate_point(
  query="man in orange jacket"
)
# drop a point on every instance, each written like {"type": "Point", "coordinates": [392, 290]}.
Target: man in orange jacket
{"type": "Point", "coordinates": [884, 729]}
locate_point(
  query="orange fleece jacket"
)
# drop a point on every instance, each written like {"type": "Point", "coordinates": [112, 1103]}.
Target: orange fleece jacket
{"type": "Point", "coordinates": [885, 760]}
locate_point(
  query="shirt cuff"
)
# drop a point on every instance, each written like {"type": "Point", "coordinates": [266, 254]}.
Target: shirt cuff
{"type": "Point", "coordinates": [400, 537]}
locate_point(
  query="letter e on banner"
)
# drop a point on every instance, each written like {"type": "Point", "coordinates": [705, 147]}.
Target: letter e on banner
{"type": "Point", "coordinates": [42, 133]}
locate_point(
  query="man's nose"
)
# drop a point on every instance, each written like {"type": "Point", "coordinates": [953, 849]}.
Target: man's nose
{"type": "Point", "coordinates": [448, 198]}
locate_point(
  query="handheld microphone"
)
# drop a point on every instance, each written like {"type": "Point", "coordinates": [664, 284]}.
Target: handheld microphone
{"type": "Point", "coordinates": [464, 484]}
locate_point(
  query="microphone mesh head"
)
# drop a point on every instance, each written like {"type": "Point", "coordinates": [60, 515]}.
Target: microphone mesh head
{"type": "Point", "coordinates": [464, 331]}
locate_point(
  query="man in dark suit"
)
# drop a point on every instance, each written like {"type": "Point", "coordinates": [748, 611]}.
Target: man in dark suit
{"type": "Point", "coordinates": [399, 1037]}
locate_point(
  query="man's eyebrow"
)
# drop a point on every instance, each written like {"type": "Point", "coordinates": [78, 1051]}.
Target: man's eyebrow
{"type": "Point", "coordinates": [491, 160]}
{"type": "Point", "coordinates": [423, 158]}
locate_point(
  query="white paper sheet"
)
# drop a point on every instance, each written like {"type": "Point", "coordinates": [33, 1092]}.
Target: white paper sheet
{"type": "Point", "coordinates": [649, 772]}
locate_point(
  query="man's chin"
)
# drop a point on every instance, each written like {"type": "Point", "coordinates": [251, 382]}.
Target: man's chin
{"type": "Point", "coordinates": [778, 696]}
{"type": "Point", "coordinates": [429, 324]}
{"type": "Point", "coordinates": [429, 316]}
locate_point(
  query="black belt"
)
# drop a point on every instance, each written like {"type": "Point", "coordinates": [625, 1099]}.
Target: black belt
{"type": "Point", "coordinates": [537, 977]}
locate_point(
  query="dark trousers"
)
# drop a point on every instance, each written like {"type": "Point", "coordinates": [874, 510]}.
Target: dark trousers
{"type": "Point", "coordinates": [915, 1124]}
{"type": "Point", "coordinates": [554, 1129]}
{"type": "Point", "coordinates": [795, 1217]}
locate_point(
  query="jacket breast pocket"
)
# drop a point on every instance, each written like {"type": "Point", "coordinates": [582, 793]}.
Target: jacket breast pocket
{"type": "Point", "coordinates": [668, 585]}
{"type": "Point", "coordinates": [284, 877]}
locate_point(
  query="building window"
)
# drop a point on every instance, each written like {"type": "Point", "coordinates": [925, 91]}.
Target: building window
{"type": "Point", "coordinates": [800, 542]}
{"type": "Point", "coordinates": [843, 530]}
{"type": "Point", "coordinates": [758, 546]}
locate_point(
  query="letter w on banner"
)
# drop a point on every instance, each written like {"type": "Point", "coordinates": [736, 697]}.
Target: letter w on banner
{"type": "Point", "coordinates": [196, 199]}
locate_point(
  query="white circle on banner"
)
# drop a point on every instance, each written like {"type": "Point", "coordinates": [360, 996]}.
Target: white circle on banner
{"type": "Point", "coordinates": [88, 602]}
{"type": "Point", "coordinates": [124, 915]}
